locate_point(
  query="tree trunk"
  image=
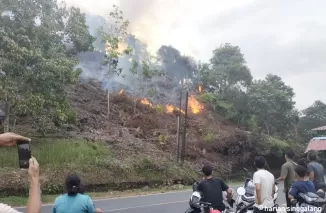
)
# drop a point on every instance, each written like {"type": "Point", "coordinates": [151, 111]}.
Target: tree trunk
{"type": "Point", "coordinates": [108, 103]}
{"type": "Point", "coordinates": [6, 125]}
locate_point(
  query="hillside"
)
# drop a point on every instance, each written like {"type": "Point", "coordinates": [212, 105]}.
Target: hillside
{"type": "Point", "coordinates": [136, 146]}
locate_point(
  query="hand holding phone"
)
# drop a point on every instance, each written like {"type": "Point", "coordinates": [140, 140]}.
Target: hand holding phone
{"type": "Point", "coordinates": [24, 153]}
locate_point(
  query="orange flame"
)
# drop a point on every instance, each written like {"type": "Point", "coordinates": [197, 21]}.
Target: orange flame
{"type": "Point", "coordinates": [145, 102]}
{"type": "Point", "coordinates": [121, 92]}
{"type": "Point", "coordinates": [194, 105]}
{"type": "Point", "coordinates": [121, 47]}
{"type": "Point", "coordinates": [170, 108]}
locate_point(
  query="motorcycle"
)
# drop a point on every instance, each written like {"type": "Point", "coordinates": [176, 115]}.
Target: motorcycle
{"type": "Point", "coordinates": [246, 195]}
{"type": "Point", "coordinates": [197, 206]}
{"type": "Point", "coordinates": [310, 203]}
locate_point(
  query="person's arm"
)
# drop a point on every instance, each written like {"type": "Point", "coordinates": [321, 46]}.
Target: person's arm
{"type": "Point", "coordinates": [90, 205]}
{"type": "Point", "coordinates": [226, 188]}
{"type": "Point", "coordinates": [10, 139]}
{"type": "Point", "coordinates": [34, 199]}
{"type": "Point", "coordinates": [293, 192]}
{"type": "Point", "coordinates": [284, 173]}
{"type": "Point", "coordinates": [257, 182]}
{"type": "Point", "coordinates": [311, 172]}
{"type": "Point", "coordinates": [7, 209]}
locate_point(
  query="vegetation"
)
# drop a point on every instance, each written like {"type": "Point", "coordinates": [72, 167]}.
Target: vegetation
{"type": "Point", "coordinates": [39, 43]}
{"type": "Point", "coordinates": [37, 58]}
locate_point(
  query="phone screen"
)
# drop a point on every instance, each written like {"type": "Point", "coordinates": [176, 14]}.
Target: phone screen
{"type": "Point", "coordinates": [24, 153]}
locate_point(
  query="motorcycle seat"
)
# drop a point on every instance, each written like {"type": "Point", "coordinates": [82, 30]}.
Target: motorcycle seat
{"type": "Point", "coordinates": [205, 203]}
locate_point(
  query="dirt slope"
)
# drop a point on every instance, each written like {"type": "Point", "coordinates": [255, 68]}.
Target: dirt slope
{"type": "Point", "coordinates": [143, 137]}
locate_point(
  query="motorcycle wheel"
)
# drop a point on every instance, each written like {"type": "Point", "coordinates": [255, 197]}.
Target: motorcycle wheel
{"type": "Point", "coordinates": [191, 210]}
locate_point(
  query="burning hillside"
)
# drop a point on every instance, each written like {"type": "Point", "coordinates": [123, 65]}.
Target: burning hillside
{"type": "Point", "coordinates": [210, 137]}
{"type": "Point", "coordinates": [142, 137]}
{"type": "Point", "coordinates": [206, 130]}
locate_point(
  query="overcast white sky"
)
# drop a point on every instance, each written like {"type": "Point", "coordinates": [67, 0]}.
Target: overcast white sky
{"type": "Point", "coordinates": [283, 37]}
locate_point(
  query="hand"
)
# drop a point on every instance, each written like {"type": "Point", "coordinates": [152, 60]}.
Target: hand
{"type": "Point", "coordinates": [293, 202]}
{"type": "Point", "coordinates": [98, 210]}
{"type": "Point", "coordinates": [10, 139]}
{"type": "Point", "coordinates": [33, 170]}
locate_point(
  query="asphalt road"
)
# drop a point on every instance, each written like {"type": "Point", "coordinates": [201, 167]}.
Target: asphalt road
{"type": "Point", "coordinates": [173, 202]}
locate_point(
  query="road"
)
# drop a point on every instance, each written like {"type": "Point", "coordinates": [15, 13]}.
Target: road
{"type": "Point", "coordinates": [173, 202]}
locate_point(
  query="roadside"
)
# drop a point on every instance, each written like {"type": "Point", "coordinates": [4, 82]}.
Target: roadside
{"type": "Point", "coordinates": [17, 201]}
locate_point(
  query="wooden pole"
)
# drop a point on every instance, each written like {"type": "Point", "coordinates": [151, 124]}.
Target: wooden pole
{"type": "Point", "coordinates": [183, 149]}
{"type": "Point", "coordinates": [178, 137]}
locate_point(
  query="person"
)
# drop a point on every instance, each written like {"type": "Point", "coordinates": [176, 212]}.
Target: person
{"type": "Point", "coordinates": [301, 185]}
{"type": "Point", "coordinates": [264, 182]}
{"type": "Point", "coordinates": [212, 189]}
{"type": "Point", "coordinates": [302, 162]}
{"type": "Point", "coordinates": [34, 199]}
{"type": "Point", "coordinates": [316, 172]}
{"type": "Point", "coordinates": [74, 200]}
{"type": "Point", "coordinates": [288, 175]}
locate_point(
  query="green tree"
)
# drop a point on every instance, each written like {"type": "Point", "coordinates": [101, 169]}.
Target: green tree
{"type": "Point", "coordinates": [312, 117]}
{"type": "Point", "coordinates": [36, 57]}
{"type": "Point", "coordinates": [177, 66]}
{"type": "Point", "coordinates": [115, 35]}
{"type": "Point", "coordinates": [228, 68]}
{"type": "Point", "coordinates": [272, 106]}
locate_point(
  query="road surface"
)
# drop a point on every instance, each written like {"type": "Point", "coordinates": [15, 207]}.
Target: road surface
{"type": "Point", "coordinates": [173, 202]}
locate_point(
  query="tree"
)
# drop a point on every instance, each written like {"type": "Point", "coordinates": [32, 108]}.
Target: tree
{"type": "Point", "coordinates": [116, 46]}
{"type": "Point", "coordinates": [37, 57]}
{"type": "Point", "coordinates": [177, 66]}
{"type": "Point", "coordinates": [272, 106]}
{"type": "Point", "coordinates": [312, 117]}
{"type": "Point", "coordinates": [228, 68]}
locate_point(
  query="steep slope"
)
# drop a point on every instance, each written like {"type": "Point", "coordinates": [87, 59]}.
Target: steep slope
{"type": "Point", "coordinates": [140, 139]}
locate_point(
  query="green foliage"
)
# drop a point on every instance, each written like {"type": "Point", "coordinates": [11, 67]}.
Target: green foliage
{"type": "Point", "coordinates": [209, 138]}
{"type": "Point", "coordinates": [228, 68]}
{"type": "Point", "coordinates": [159, 108]}
{"type": "Point", "coordinates": [114, 36]}
{"type": "Point", "coordinates": [271, 103]}
{"type": "Point", "coordinates": [56, 153]}
{"type": "Point", "coordinates": [161, 139]}
{"type": "Point", "coordinates": [37, 54]}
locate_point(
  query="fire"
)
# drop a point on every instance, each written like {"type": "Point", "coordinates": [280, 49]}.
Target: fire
{"type": "Point", "coordinates": [170, 108]}
{"type": "Point", "coordinates": [194, 105]}
{"type": "Point", "coordinates": [121, 47]}
{"type": "Point", "coordinates": [145, 102]}
{"type": "Point", "coordinates": [121, 92]}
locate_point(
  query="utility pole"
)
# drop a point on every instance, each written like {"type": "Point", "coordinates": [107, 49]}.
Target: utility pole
{"type": "Point", "coordinates": [178, 129]}
{"type": "Point", "coordinates": [183, 149]}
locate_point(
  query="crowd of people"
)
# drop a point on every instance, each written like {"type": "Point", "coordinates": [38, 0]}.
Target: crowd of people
{"type": "Point", "coordinates": [302, 177]}
{"type": "Point", "coordinates": [73, 201]}
{"type": "Point", "coordinates": [298, 177]}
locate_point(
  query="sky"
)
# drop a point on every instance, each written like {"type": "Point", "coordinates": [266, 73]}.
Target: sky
{"type": "Point", "coordinates": [286, 38]}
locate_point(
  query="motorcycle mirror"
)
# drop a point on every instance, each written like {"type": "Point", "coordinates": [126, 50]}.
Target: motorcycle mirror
{"type": "Point", "coordinates": [241, 191]}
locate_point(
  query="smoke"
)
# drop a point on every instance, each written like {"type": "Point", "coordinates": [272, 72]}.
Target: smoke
{"type": "Point", "coordinates": [152, 23]}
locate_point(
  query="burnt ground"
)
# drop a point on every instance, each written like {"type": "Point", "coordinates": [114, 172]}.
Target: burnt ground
{"type": "Point", "coordinates": [134, 129]}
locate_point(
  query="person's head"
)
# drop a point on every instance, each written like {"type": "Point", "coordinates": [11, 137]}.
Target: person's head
{"type": "Point", "coordinates": [289, 155]}
{"type": "Point", "coordinates": [302, 162]}
{"type": "Point", "coordinates": [207, 171]}
{"type": "Point", "coordinates": [301, 171]}
{"type": "Point", "coordinates": [73, 185]}
{"type": "Point", "coordinates": [260, 162]}
{"type": "Point", "coordinates": [312, 156]}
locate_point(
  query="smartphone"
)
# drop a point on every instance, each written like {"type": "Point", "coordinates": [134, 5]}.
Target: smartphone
{"type": "Point", "coordinates": [24, 153]}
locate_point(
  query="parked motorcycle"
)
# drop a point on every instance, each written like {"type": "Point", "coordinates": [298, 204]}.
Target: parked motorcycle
{"type": "Point", "coordinates": [246, 195]}
{"type": "Point", "coordinates": [309, 202]}
{"type": "Point", "coordinates": [197, 206]}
